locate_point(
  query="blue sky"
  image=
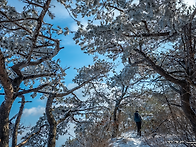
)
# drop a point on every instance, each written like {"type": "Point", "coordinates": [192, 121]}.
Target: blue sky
{"type": "Point", "coordinates": [71, 56]}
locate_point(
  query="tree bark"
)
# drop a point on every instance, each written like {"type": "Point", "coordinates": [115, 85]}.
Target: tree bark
{"type": "Point", "coordinates": [15, 133]}
{"type": "Point", "coordinates": [115, 122]}
{"type": "Point", "coordinates": [6, 104]}
{"type": "Point", "coordinates": [186, 107]}
{"type": "Point", "coordinates": [52, 122]}
{"type": "Point", "coordinates": [52, 135]}
{"type": "Point", "coordinates": [116, 110]}
{"type": "Point", "coordinates": [4, 122]}
{"type": "Point", "coordinates": [185, 92]}
{"type": "Point", "coordinates": [50, 118]}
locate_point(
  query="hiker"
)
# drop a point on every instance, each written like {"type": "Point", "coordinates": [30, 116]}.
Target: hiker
{"type": "Point", "coordinates": [138, 121]}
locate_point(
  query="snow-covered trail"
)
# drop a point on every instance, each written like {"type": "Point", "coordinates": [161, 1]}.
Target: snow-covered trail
{"type": "Point", "coordinates": [128, 139]}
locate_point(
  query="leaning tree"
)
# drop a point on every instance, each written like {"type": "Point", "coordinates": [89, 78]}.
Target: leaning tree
{"type": "Point", "coordinates": [158, 36]}
{"type": "Point", "coordinates": [62, 105]}
{"type": "Point", "coordinates": [26, 50]}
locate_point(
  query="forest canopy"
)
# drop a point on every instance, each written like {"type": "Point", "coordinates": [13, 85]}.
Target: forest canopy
{"type": "Point", "coordinates": [155, 43]}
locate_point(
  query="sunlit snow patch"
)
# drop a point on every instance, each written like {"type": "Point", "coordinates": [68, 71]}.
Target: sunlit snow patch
{"type": "Point", "coordinates": [128, 139]}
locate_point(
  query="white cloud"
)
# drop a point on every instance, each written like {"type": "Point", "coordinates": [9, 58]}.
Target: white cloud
{"type": "Point", "coordinates": [59, 10]}
{"type": "Point", "coordinates": [71, 85]}
{"type": "Point", "coordinates": [34, 111]}
{"type": "Point", "coordinates": [77, 92]}
{"type": "Point", "coordinates": [74, 26]}
{"type": "Point", "coordinates": [67, 40]}
{"type": "Point", "coordinates": [190, 2]}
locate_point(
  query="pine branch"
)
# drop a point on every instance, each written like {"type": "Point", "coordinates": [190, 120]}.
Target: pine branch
{"type": "Point", "coordinates": [38, 27]}
{"type": "Point", "coordinates": [34, 4]}
{"type": "Point", "coordinates": [193, 15]}
{"type": "Point", "coordinates": [9, 19]}
{"type": "Point", "coordinates": [162, 34]}
{"type": "Point", "coordinates": [22, 19]}
{"type": "Point", "coordinates": [4, 79]}
{"type": "Point", "coordinates": [158, 69]}
{"type": "Point", "coordinates": [69, 91]}
{"type": "Point", "coordinates": [32, 90]}
{"type": "Point", "coordinates": [25, 141]}
{"type": "Point", "coordinates": [39, 75]}
{"type": "Point", "coordinates": [15, 133]}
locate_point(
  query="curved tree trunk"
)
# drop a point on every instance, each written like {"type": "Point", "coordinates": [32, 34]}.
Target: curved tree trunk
{"type": "Point", "coordinates": [116, 116]}
{"type": "Point", "coordinates": [185, 88]}
{"type": "Point", "coordinates": [4, 122]}
{"type": "Point", "coordinates": [52, 122]}
{"type": "Point", "coordinates": [6, 104]}
{"type": "Point", "coordinates": [116, 110]}
{"type": "Point", "coordinates": [50, 118]}
{"type": "Point", "coordinates": [52, 136]}
{"type": "Point", "coordinates": [115, 123]}
{"type": "Point", "coordinates": [15, 133]}
{"type": "Point", "coordinates": [186, 107]}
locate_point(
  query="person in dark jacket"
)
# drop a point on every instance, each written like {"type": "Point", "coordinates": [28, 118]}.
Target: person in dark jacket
{"type": "Point", "coordinates": [138, 121]}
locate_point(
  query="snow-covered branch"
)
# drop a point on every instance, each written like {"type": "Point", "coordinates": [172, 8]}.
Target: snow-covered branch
{"type": "Point", "coordinates": [159, 69]}
{"type": "Point", "coordinates": [38, 75]}
{"type": "Point", "coordinates": [161, 34]}
{"type": "Point", "coordinates": [30, 136]}
{"type": "Point", "coordinates": [32, 90]}
{"type": "Point", "coordinates": [35, 4]}
{"type": "Point", "coordinates": [17, 123]}
{"type": "Point", "coordinates": [10, 20]}
{"type": "Point", "coordinates": [36, 31]}
{"type": "Point", "coordinates": [4, 79]}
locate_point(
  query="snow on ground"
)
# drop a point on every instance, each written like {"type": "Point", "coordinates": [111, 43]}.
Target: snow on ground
{"type": "Point", "coordinates": [128, 139]}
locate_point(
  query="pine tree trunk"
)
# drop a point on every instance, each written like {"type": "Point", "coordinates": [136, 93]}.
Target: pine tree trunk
{"type": "Point", "coordinates": [115, 122]}
{"type": "Point", "coordinates": [6, 104]}
{"type": "Point", "coordinates": [17, 123]}
{"type": "Point", "coordinates": [52, 136]}
{"type": "Point", "coordinates": [52, 122]}
{"type": "Point", "coordinates": [115, 127]}
{"type": "Point", "coordinates": [186, 107]}
{"type": "Point", "coordinates": [4, 122]}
